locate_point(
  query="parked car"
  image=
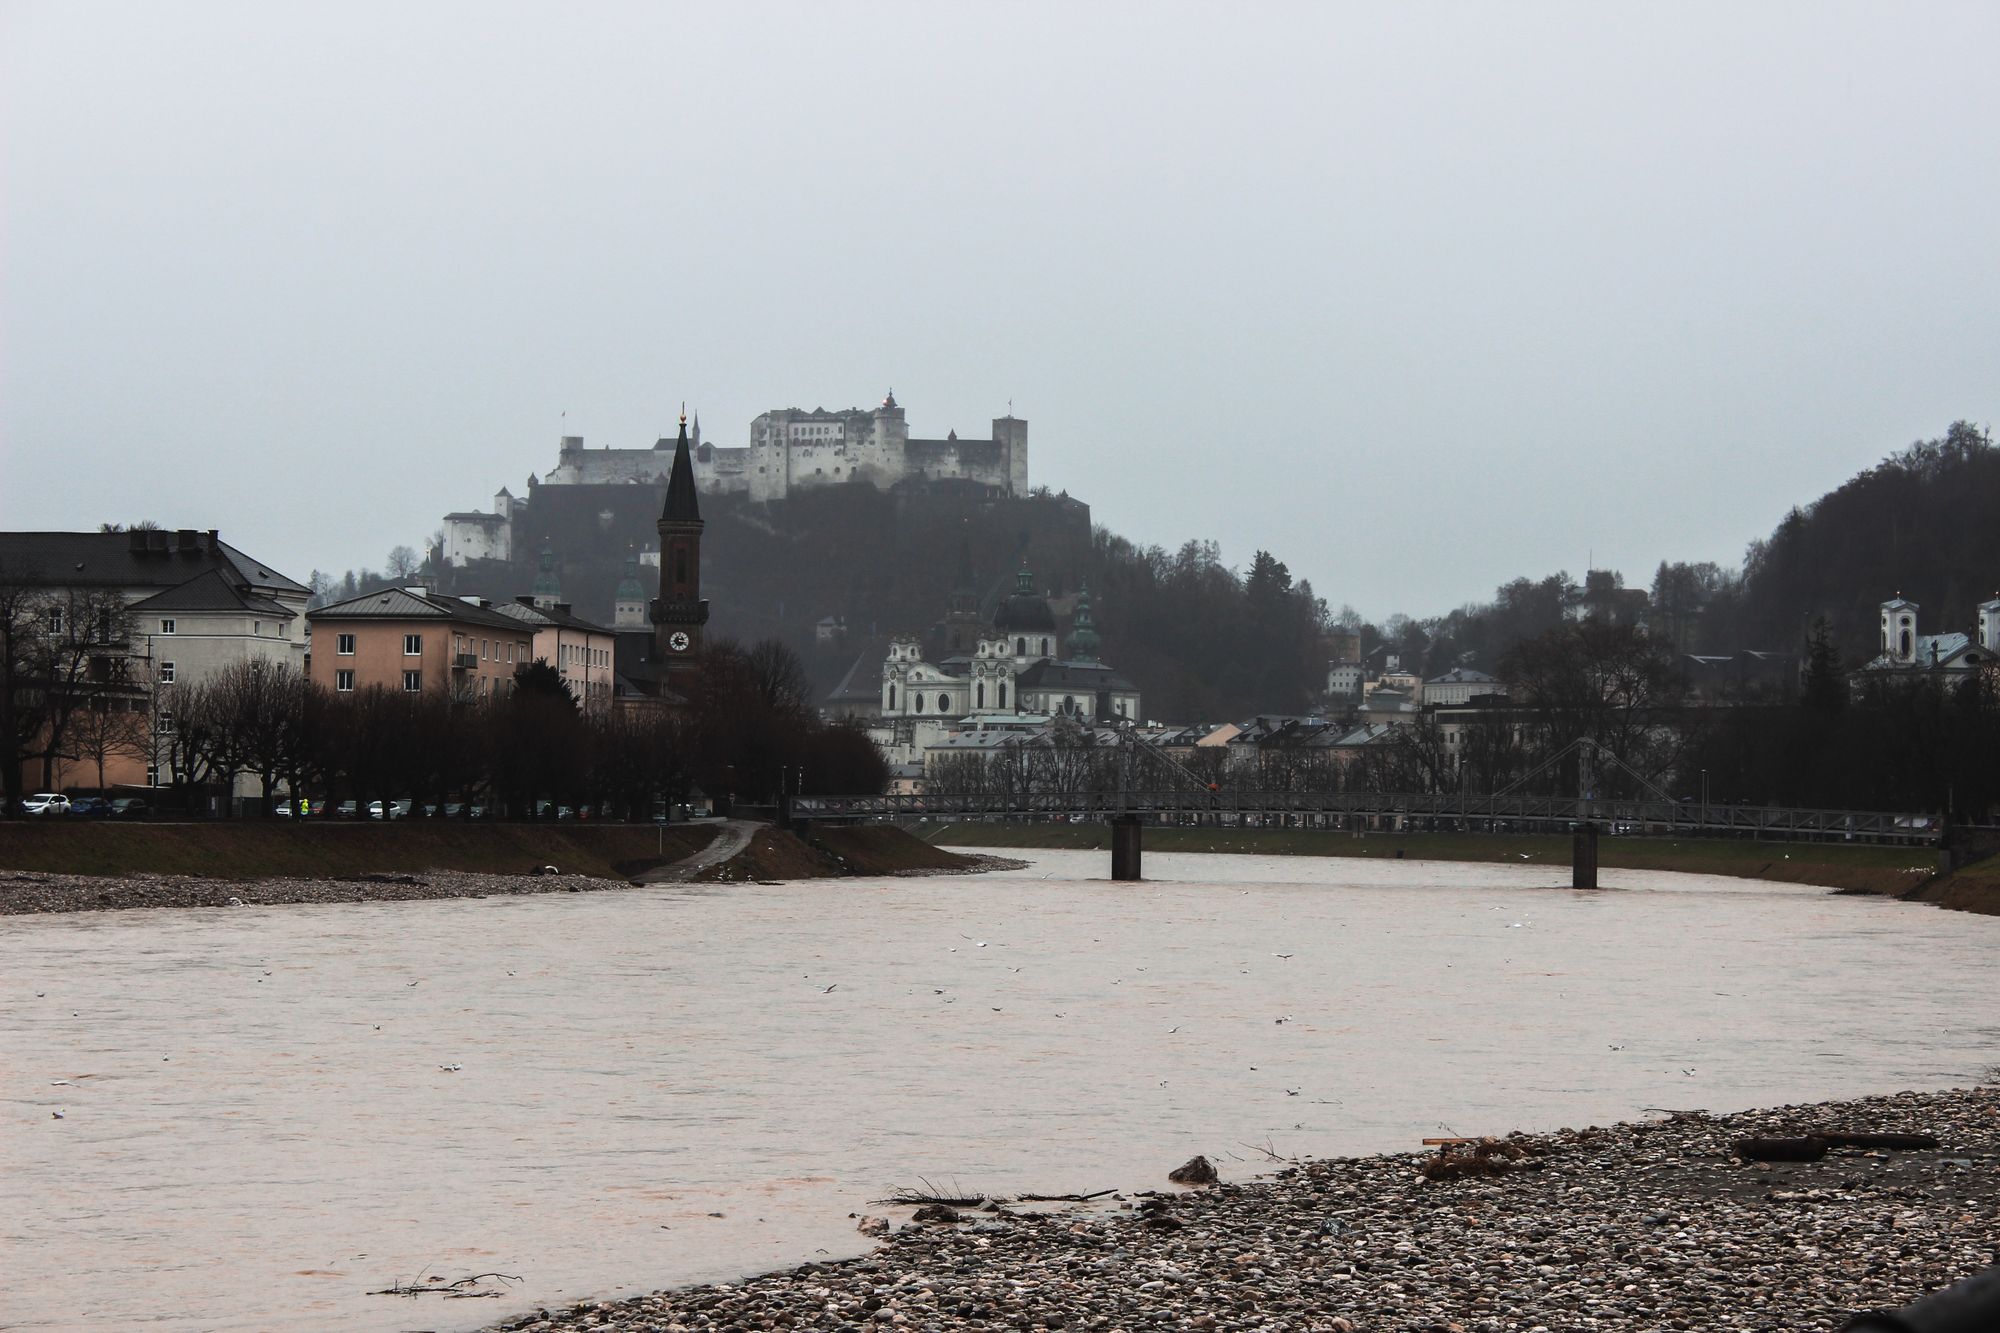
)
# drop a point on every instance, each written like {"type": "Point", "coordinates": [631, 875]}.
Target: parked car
{"type": "Point", "coordinates": [46, 803]}
{"type": "Point", "coordinates": [90, 807]}
{"type": "Point", "coordinates": [129, 807]}
{"type": "Point", "coordinates": [345, 810]}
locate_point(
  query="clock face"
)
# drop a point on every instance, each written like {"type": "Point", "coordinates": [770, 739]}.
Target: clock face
{"type": "Point", "coordinates": [678, 641]}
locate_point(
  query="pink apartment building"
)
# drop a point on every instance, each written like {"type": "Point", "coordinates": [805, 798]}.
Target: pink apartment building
{"type": "Point", "coordinates": [414, 640]}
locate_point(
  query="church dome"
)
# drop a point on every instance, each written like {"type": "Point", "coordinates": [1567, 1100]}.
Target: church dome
{"type": "Point", "coordinates": [629, 587]}
{"type": "Point", "coordinates": [548, 585]}
{"type": "Point", "coordinates": [1024, 612]}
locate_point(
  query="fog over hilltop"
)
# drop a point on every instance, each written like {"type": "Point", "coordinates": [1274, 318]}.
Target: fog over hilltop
{"type": "Point", "coordinates": [1418, 298]}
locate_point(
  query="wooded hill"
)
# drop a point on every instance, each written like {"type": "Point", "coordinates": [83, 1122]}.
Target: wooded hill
{"type": "Point", "coordinates": [1208, 641]}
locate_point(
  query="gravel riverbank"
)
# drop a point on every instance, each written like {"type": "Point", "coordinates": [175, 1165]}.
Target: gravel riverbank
{"type": "Point", "coordinates": [1649, 1226]}
{"type": "Point", "coordinates": [33, 891]}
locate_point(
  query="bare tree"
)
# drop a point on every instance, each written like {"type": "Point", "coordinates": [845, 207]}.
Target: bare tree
{"type": "Point", "coordinates": [254, 711]}
{"type": "Point", "coordinates": [61, 648]}
{"type": "Point", "coordinates": [404, 562]}
{"type": "Point", "coordinates": [110, 728]}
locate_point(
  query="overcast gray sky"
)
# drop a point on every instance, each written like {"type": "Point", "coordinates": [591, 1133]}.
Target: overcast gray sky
{"type": "Point", "coordinates": [1418, 297]}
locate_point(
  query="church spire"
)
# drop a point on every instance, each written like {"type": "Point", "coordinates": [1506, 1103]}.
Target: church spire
{"type": "Point", "coordinates": [682, 505]}
{"type": "Point", "coordinates": [1083, 643]}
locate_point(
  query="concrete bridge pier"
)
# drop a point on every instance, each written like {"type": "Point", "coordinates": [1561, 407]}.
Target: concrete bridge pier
{"type": "Point", "coordinates": [1126, 832]}
{"type": "Point", "coordinates": [1583, 857]}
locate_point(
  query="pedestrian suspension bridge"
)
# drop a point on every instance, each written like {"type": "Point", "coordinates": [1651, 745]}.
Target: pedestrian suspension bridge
{"type": "Point", "coordinates": [1152, 788]}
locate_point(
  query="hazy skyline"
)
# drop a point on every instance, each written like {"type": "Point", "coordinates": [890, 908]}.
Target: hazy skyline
{"type": "Point", "coordinates": [1419, 299]}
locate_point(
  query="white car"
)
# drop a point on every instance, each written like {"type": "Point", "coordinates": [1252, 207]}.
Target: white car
{"type": "Point", "coordinates": [46, 803]}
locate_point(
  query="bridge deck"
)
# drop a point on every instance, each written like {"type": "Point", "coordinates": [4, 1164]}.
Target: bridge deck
{"type": "Point", "coordinates": [1407, 812]}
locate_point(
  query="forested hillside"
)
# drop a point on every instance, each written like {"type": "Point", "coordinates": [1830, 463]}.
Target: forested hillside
{"type": "Point", "coordinates": [1208, 639]}
{"type": "Point", "coordinates": [1921, 523]}
{"type": "Point", "coordinates": [1924, 522]}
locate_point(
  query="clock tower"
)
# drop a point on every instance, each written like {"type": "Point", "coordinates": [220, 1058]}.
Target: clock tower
{"type": "Point", "coordinates": [679, 613]}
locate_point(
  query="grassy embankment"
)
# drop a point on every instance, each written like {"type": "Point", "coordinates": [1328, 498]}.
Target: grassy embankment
{"type": "Point", "coordinates": [1864, 867]}
{"type": "Point", "coordinates": [274, 849]}
{"type": "Point", "coordinates": [1976, 888]}
{"type": "Point", "coordinates": [831, 851]}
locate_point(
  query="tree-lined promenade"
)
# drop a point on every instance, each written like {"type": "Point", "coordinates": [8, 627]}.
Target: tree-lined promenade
{"type": "Point", "coordinates": [748, 732]}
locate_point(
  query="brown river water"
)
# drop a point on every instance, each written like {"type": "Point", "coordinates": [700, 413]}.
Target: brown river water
{"type": "Point", "coordinates": [272, 1111]}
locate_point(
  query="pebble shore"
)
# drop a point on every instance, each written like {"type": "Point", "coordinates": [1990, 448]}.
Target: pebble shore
{"type": "Point", "coordinates": [1639, 1227]}
{"type": "Point", "coordinates": [32, 891]}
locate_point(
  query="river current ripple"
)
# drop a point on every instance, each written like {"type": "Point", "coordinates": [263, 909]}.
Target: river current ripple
{"type": "Point", "coordinates": [268, 1112]}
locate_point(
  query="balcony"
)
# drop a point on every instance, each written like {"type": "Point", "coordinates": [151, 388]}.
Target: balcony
{"type": "Point", "coordinates": [464, 661]}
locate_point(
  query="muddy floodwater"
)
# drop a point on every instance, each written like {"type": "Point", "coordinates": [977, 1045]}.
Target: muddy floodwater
{"type": "Point", "coordinates": [269, 1112]}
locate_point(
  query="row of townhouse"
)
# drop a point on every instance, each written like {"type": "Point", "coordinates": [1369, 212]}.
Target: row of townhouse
{"type": "Point", "coordinates": [416, 640]}
{"type": "Point", "coordinates": [104, 630]}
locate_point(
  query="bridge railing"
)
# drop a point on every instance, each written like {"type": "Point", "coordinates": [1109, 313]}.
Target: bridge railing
{"type": "Point", "coordinates": [1399, 811]}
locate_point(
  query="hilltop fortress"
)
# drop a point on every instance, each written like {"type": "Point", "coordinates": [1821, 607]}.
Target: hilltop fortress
{"type": "Point", "coordinates": [789, 450]}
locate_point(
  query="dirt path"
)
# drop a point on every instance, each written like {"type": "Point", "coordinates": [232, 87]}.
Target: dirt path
{"type": "Point", "coordinates": [731, 837]}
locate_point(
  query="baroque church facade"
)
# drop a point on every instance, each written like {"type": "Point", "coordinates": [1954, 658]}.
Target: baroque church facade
{"type": "Point", "coordinates": [1908, 654]}
{"type": "Point", "coordinates": [1014, 668]}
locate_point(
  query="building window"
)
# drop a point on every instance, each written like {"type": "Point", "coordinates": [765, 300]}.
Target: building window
{"type": "Point", "coordinates": [1045, 647]}
{"type": "Point", "coordinates": [343, 681]}
{"type": "Point", "coordinates": [892, 698]}
{"type": "Point", "coordinates": [944, 703]}
{"type": "Point", "coordinates": [979, 695]}
{"type": "Point", "coordinates": [413, 645]}
{"type": "Point", "coordinates": [1003, 694]}
{"type": "Point", "coordinates": [166, 673]}
{"type": "Point", "coordinates": [1020, 647]}
{"type": "Point", "coordinates": [918, 700]}
{"type": "Point", "coordinates": [343, 644]}
{"type": "Point", "coordinates": [413, 681]}
{"type": "Point", "coordinates": [166, 627]}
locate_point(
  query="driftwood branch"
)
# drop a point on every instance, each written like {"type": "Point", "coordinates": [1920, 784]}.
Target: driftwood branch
{"type": "Point", "coordinates": [929, 1194]}
{"type": "Point", "coordinates": [1064, 1198]}
{"type": "Point", "coordinates": [459, 1290]}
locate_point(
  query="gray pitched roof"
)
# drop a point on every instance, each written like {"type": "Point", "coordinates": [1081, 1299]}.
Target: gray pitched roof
{"type": "Point", "coordinates": [530, 614]}
{"type": "Point", "coordinates": [863, 680]}
{"type": "Point", "coordinates": [212, 591]}
{"type": "Point", "coordinates": [1072, 675]}
{"type": "Point", "coordinates": [145, 559]}
{"type": "Point", "coordinates": [1463, 676]}
{"type": "Point", "coordinates": [402, 604]}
